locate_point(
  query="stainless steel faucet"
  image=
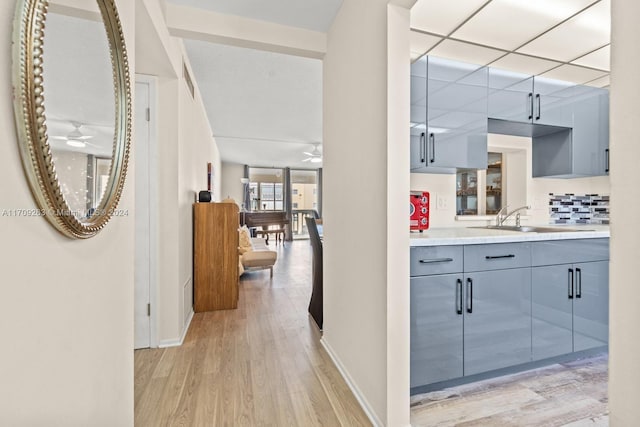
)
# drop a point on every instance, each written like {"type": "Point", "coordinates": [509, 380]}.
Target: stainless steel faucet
{"type": "Point", "coordinates": [500, 218]}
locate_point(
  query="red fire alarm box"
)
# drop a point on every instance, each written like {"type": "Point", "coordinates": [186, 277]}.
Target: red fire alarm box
{"type": "Point", "coordinates": [419, 211]}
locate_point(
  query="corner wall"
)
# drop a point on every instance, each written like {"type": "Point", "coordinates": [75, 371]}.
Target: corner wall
{"type": "Point", "coordinates": [66, 306]}
{"type": "Point", "coordinates": [365, 258]}
{"type": "Point", "coordinates": [624, 298]}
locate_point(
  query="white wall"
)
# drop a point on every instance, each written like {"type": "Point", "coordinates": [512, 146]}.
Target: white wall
{"type": "Point", "coordinates": [66, 306]}
{"type": "Point", "coordinates": [366, 84]}
{"type": "Point", "coordinates": [531, 191]}
{"type": "Point", "coordinates": [624, 298]}
{"type": "Point", "coordinates": [185, 146]}
{"type": "Point", "coordinates": [231, 185]}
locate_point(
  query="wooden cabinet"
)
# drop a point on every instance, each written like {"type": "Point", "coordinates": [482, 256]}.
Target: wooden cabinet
{"type": "Point", "coordinates": [215, 256]}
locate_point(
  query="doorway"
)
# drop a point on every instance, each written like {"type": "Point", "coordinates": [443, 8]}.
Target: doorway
{"type": "Point", "coordinates": [145, 218]}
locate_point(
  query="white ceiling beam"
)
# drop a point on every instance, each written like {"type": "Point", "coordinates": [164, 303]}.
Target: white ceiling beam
{"type": "Point", "coordinates": [198, 24]}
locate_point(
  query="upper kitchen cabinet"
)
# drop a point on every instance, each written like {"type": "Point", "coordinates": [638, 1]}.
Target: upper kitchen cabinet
{"type": "Point", "coordinates": [582, 150]}
{"type": "Point", "coordinates": [449, 123]}
{"type": "Point", "coordinates": [517, 99]}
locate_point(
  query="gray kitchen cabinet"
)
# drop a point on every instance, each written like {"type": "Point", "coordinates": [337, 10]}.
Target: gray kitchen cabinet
{"type": "Point", "coordinates": [449, 124]}
{"type": "Point", "coordinates": [497, 322]}
{"type": "Point", "coordinates": [582, 150]}
{"type": "Point", "coordinates": [436, 328]}
{"type": "Point", "coordinates": [522, 98]}
{"type": "Point", "coordinates": [570, 299]}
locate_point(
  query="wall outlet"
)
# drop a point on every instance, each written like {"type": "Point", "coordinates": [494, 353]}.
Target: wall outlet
{"type": "Point", "coordinates": [441, 202]}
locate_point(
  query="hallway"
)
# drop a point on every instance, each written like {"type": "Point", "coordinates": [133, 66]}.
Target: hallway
{"type": "Point", "coordinates": [261, 364]}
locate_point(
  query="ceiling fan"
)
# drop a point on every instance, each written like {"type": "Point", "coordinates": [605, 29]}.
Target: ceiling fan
{"type": "Point", "coordinates": [315, 156]}
{"type": "Point", "coordinates": [75, 138]}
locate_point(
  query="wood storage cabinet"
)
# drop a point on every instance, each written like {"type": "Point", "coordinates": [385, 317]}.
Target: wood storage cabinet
{"type": "Point", "coordinates": [215, 256]}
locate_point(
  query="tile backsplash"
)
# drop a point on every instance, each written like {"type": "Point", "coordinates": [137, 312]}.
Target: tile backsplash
{"type": "Point", "coordinates": [578, 209]}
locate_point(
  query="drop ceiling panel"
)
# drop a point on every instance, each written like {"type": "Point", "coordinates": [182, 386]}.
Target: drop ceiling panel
{"type": "Point", "coordinates": [601, 82]}
{"type": "Point", "coordinates": [601, 59]}
{"type": "Point", "coordinates": [420, 43]}
{"type": "Point", "coordinates": [508, 24]}
{"type": "Point", "coordinates": [442, 16]}
{"type": "Point", "coordinates": [466, 52]}
{"type": "Point", "coordinates": [581, 34]}
{"type": "Point", "coordinates": [573, 73]}
{"type": "Point", "coordinates": [524, 64]}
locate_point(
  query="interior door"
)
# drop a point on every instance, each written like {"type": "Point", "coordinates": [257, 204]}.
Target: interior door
{"type": "Point", "coordinates": [142, 266]}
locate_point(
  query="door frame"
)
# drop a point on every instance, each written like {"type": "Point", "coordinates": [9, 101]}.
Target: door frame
{"type": "Point", "coordinates": [153, 189]}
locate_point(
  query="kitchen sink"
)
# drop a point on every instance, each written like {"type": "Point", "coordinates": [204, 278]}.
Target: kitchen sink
{"type": "Point", "coordinates": [531, 229]}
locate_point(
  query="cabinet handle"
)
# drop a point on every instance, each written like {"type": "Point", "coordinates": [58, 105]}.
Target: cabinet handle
{"type": "Point", "coordinates": [423, 148]}
{"type": "Point", "coordinates": [469, 295]}
{"type": "Point", "coordinates": [459, 296]}
{"type": "Point", "coordinates": [530, 106]}
{"type": "Point", "coordinates": [539, 106]}
{"type": "Point", "coordinates": [500, 256]}
{"type": "Point", "coordinates": [579, 283]}
{"type": "Point", "coordinates": [434, 260]}
{"type": "Point", "coordinates": [606, 156]}
{"type": "Point", "coordinates": [432, 139]}
{"type": "Point", "coordinates": [570, 281]}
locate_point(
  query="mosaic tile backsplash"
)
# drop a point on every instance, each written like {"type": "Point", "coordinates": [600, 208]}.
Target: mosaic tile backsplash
{"type": "Point", "coordinates": [578, 209]}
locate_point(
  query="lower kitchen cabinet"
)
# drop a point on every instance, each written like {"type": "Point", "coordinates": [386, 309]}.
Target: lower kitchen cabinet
{"type": "Point", "coordinates": [497, 319]}
{"type": "Point", "coordinates": [436, 328]}
{"type": "Point", "coordinates": [464, 325]}
{"type": "Point", "coordinates": [570, 308]}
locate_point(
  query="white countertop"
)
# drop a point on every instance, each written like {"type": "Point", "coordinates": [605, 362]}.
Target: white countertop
{"type": "Point", "coordinates": [473, 236]}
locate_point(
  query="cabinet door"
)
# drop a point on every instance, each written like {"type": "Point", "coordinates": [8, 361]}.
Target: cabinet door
{"type": "Point", "coordinates": [553, 102]}
{"type": "Point", "coordinates": [436, 328]}
{"type": "Point", "coordinates": [591, 133]}
{"type": "Point", "coordinates": [456, 114]}
{"type": "Point", "coordinates": [510, 96]}
{"type": "Point", "coordinates": [591, 305]}
{"type": "Point", "coordinates": [497, 323]}
{"type": "Point", "coordinates": [418, 127]}
{"type": "Point", "coordinates": [552, 310]}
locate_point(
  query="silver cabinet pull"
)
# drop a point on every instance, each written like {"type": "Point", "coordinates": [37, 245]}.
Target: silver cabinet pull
{"type": "Point", "coordinates": [434, 260]}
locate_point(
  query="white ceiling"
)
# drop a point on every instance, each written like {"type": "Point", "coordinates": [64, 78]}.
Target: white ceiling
{"type": "Point", "coordinates": [266, 108]}
{"type": "Point", "coordinates": [568, 39]}
{"type": "Point", "coordinates": [314, 15]}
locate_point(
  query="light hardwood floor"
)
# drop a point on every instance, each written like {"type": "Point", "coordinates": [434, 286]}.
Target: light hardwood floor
{"type": "Point", "coordinates": [259, 365]}
{"type": "Point", "coordinates": [569, 395]}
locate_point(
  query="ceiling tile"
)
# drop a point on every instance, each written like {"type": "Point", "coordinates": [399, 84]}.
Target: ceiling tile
{"type": "Point", "coordinates": [466, 52]}
{"type": "Point", "coordinates": [601, 82]}
{"type": "Point", "coordinates": [581, 34]}
{"type": "Point", "coordinates": [601, 59]}
{"type": "Point", "coordinates": [508, 24]}
{"type": "Point", "coordinates": [421, 43]}
{"type": "Point", "coordinates": [573, 73]}
{"type": "Point", "coordinates": [442, 16]}
{"type": "Point", "coordinates": [524, 64]}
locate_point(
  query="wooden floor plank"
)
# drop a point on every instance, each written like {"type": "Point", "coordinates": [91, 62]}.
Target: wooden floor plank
{"type": "Point", "coordinates": [259, 365]}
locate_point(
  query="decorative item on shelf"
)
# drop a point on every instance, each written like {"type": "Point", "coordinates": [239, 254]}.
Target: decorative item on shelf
{"type": "Point", "coordinates": [419, 211]}
{"type": "Point", "coordinates": [205, 195]}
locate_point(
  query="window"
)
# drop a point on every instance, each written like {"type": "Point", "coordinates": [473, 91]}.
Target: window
{"type": "Point", "coordinates": [271, 197]}
{"type": "Point", "coordinates": [479, 192]}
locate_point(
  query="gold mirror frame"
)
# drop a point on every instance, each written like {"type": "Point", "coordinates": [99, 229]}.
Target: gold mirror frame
{"type": "Point", "coordinates": [28, 39]}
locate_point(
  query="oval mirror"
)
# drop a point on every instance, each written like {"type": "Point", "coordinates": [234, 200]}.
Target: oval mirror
{"type": "Point", "coordinates": [73, 112]}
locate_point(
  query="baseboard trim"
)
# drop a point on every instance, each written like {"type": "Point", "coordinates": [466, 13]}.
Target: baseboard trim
{"type": "Point", "coordinates": [352, 386]}
{"type": "Point", "coordinates": [178, 342]}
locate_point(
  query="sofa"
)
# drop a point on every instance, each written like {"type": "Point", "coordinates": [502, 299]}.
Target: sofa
{"type": "Point", "coordinates": [254, 253]}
